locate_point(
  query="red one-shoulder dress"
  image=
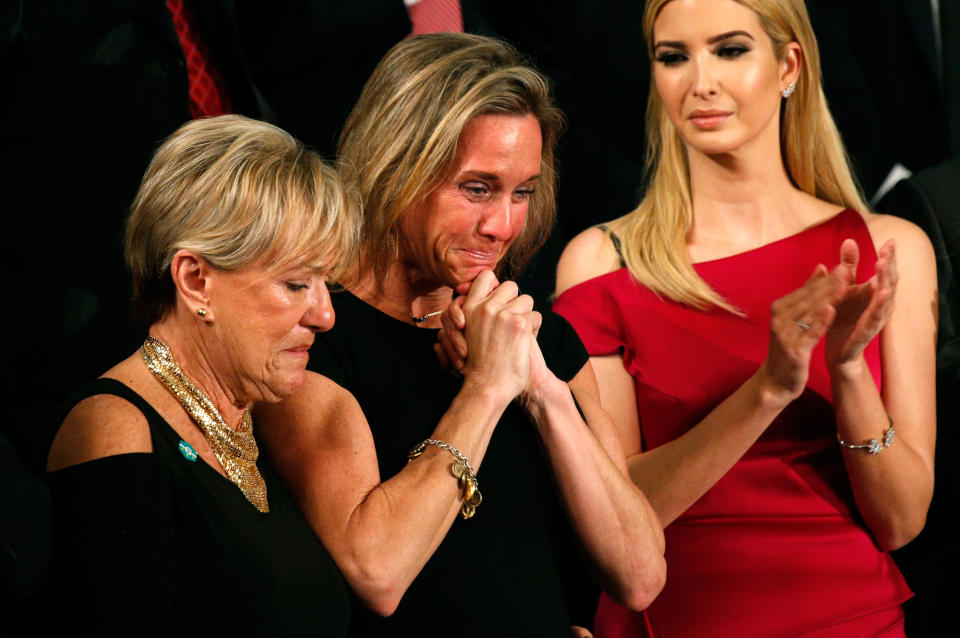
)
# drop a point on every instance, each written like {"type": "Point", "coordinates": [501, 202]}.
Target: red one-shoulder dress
{"type": "Point", "coordinates": [776, 547]}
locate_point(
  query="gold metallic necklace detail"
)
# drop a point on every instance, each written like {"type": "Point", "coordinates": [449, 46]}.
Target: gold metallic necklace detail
{"type": "Point", "coordinates": [236, 450]}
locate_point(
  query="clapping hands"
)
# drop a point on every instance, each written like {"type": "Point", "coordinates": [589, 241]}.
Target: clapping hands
{"type": "Point", "coordinates": [832, 305]}
{"type": "Point", "coordinates": [864, 309]}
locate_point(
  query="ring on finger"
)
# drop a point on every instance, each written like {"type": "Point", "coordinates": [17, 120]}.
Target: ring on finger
{"type": "Point", "coordinates": [803, 325]}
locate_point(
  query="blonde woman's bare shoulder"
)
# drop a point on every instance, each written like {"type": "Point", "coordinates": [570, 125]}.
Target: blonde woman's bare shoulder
{"type": "Point", "coordinates": [588, 255]}
{"type": "Point", "coordinates": [99, 426]}
{"type": "Point", "coordinates": [909, 238]}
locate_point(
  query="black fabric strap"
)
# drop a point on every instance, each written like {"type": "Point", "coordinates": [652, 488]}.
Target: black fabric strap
{"type": "Point", "coordinates": [102, 385]}
{"type": "Point", "coordinates": [616, 243]}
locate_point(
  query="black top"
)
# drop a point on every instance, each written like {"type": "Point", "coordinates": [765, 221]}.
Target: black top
{"type": "Point", "coordinates": [504, 571]}
{"type": "Point", "coordinates": [156, 544]}
{"type": "Point", "coordinates": [26, 528]}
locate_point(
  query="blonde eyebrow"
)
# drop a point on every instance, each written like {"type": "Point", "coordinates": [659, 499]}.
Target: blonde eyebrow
{"type": "Point", "coordinates": [727, 35]}
{"type": "Point", "coordinates": [712, 40]}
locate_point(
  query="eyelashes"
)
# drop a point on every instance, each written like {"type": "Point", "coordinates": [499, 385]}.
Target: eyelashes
{"type": "Point", "coordinates": [726, 51]}
{"type": "Point", "coordinates": [475, 192]}
{"type": "Point", "coordinates": [732, 51]}
{"type": "Point", "coordinates": [671, 58]}
{"type": "Point", "coordinates": [481, 193]}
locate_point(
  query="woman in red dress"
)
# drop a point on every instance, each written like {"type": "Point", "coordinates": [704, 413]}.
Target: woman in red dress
{"type": "Point", "coordinates": [769, 366]}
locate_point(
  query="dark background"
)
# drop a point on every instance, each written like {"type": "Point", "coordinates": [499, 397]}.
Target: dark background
{"type": "Point", "coordinates": [90, 90]}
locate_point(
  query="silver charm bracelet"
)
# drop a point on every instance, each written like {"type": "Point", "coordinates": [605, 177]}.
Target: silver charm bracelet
{"type": "Point", "coordinates": [873, 446]}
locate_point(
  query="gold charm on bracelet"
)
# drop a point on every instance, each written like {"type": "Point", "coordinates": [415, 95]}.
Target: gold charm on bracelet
{"type": "Point", "coordinates": [461, 470]}
{"type": "Point", "coordinates": [476, 499]}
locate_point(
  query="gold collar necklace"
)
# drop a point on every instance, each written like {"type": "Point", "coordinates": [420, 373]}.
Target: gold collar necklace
{"type": "Point", "coordinates": [236, 450]}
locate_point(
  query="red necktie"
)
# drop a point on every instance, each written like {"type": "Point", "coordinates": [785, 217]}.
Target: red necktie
{"type": "Point", "coordinates": [431, 16]}
{"type": "Point", "coordinates": [207, 95]}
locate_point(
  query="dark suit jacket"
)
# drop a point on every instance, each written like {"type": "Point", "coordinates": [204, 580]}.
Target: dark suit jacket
{"type": "Point", "coordinates": [931, 199]}
{"type": "Point", "coordinates": [882, 82]}
{"type": "Point", "coordinates": [310, 59]}
{"type": "Point", "coordinates": [91, 89]}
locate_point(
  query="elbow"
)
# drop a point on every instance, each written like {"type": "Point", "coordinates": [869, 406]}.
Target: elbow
{"type": "Point", "coordinates": [901, 521]}
{"type": "Point", "coordinates": [640, 584]}
{"type": "Point", "coordinates": [895, 536]}
{"type": "Point", "coordinates": [644, 586]}
{"type": "Point", "coordinates": [380, 603]}
{"type": "Point", "coordinates": [893, 531]}
{"type": "Point", "coordinates": [378, 590]}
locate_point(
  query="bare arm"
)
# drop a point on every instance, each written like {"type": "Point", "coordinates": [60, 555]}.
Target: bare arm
{"type": "Point", "coordinates": [892, 489]}
{"type": "Point", "coordinates": [381, 532]}
{"type": "Point", "coordinates": [610, 515]}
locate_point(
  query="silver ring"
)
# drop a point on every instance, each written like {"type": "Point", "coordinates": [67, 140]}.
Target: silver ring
{"type": "Point", "coordinates": [803, 325]}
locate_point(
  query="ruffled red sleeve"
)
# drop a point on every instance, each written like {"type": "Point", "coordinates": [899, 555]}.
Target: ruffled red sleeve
{"type": "Point", "coordinates": [593, 311]}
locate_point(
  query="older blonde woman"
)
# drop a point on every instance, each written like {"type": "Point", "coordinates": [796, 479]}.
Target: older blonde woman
{"type": "Point", "coordinates": [167, 520]}
{"type": "Point", "coordinates": [775, 404]}
{"type": "Point", "coordinates": [451, 148]}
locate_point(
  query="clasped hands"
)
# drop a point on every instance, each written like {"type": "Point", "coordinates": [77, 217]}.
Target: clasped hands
{"type": "Point", "coordinates": [830, 305]}
{"type": "Point", "coordinates": [490, 334]}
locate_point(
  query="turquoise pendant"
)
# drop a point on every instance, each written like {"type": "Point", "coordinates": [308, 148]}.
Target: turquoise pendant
{"type": "Point", "coordinates": [187, 451]}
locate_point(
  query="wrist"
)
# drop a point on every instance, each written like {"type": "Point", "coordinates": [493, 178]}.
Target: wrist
{"type": "Point", "coordinates": [768, 393]}
{"type": "Point", "coordinates": [545, 395]}
{"type": "Point", "coordinates": [848, 371]}
{"type": "Point", "coordinates": [496, 393]}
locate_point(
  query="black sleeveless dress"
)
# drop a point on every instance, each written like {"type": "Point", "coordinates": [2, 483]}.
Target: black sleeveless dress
{"type": "Point", "coordinates": [150, 544]}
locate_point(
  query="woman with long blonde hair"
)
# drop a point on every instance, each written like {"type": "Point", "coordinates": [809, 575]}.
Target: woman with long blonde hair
{"type": "Point", "coordinates": [768, 364]}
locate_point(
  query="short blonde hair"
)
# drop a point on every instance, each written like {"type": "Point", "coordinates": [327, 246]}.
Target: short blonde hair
{"type": "Point", "coordinates": [655, 234]}
{"type": "Point", "coordinates": [400, 140]}
{"type": "Point", "coordinates": [238, 192]}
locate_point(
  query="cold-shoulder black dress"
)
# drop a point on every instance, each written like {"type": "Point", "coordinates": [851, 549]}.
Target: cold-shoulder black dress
{"type": "Point", "coordinates": [151, 544]}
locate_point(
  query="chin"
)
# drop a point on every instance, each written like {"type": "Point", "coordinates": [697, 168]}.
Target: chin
{"type": "Point", "coordinates": [467, 274]}
{"type": "Point", "coordinates": [294, 382]}
{"type": "Point", "coordinates": [285, 386]}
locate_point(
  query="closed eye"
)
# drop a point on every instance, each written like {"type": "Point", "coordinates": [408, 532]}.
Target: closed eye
{"type": "Point", "coordinates": [730, 51]}
{"type": "Point", "coordinates": [523, 194]}
{"type": "Point", "coordinates": [671, 58]}
{"type": "Point", "coordinates": [475, 191]}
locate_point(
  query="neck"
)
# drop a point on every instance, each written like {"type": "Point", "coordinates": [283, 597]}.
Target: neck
{"type": "Point", "coordinates": [741, 199]}
{"type": "Point", "coordinates": [404, 293]}
{"type": "Point", "coordinates": [185, 339]}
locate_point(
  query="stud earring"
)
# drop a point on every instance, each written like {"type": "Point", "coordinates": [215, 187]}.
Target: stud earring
{"type": "Point", "coordinates": [787, 92]}
{"type": "Point", "coordinates": [201, 312]}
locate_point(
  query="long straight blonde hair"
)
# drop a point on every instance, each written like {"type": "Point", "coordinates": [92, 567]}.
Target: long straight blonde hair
{"type": "Point", "coordinates": [655, 233]}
